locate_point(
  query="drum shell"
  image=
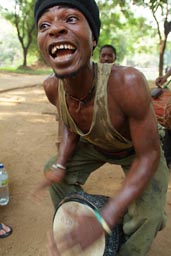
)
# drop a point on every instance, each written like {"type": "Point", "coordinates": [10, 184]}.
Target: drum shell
{"type": "Point", "coordinates": [111, 244]}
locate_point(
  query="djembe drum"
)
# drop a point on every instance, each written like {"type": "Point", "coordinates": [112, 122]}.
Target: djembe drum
{"type": "Point", "coordinates": [83, 203]}
{"type": "Point", "coordinates": [162, 106]}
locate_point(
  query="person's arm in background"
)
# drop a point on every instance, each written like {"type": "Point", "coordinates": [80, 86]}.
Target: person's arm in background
{"type": "Point", "coordinates": [162, 79]}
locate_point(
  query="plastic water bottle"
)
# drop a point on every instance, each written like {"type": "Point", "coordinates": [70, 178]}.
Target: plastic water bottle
{"type": "Point", "coordinates": [4, 190]}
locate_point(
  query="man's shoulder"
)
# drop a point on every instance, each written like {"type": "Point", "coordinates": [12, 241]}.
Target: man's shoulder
{"type": "Point", "coordinates": [126, 75]}
{"type": "Point", "coordinates": [125, 69]}
{"type": "Point", "coordinates": [127, 79]}
{"type": "Point", "coordinates": [50, 84]}
{"type": "Point", "coordinates": [50, 80]}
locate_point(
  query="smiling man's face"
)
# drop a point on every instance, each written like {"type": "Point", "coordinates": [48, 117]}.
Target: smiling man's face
{"type": "Point", "coordinates": [65, 40]}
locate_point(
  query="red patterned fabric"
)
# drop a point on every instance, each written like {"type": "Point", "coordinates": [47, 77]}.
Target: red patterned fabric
{"type": "Point", "coordinates": [162, 108]}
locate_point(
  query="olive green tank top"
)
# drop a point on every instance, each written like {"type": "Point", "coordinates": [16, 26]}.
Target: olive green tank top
{"type": "Point", "coordinates": [101, 133]}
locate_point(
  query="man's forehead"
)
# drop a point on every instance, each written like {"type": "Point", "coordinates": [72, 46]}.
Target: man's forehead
{"type": "Point", "coordinates": [88, 8]}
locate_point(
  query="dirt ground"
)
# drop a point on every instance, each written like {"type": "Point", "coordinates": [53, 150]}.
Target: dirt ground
{"type": "Point", "coordinates": [28, 133]}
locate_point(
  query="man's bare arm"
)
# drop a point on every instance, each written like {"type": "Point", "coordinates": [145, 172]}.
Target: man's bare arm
{"type": "Point", "coordinates": [135, 104]}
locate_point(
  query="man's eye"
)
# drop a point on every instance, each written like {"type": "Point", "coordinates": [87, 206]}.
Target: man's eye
{"type": "Point", "coordinates": [43, 26]}
{"type": "Point", "coordinates": [72, 19]}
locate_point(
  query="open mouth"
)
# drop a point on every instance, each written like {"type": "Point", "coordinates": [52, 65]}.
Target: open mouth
{"type": "Point", "coordinates": [60, 50]}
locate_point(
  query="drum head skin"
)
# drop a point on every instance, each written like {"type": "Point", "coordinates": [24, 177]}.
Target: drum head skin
{"type": "Point", "coordinates": [64, 223]}
{"type": "Point", "coordinates": [84, 203]}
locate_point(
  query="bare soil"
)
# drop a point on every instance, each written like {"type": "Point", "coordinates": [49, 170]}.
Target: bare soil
{"type": "Point", "coordinates": [28, 129]}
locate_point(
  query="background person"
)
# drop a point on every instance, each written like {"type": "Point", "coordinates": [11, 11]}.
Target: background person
{"type": "Point", "coordinates": [107, 54]}
{"type": "Point", "coordinates": [5, 230]}
{"type": "Point", "coordinates": [110, 107]}
{"type": "Point", "coordinates": [161, 80]}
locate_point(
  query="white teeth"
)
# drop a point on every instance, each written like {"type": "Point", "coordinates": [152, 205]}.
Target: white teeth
{"type": "Point", "coordinates": [62, 46]}
{"type": "Point", "coordinates": [54, 49]}
{"type": "Point", "coordinates": [65, 57]}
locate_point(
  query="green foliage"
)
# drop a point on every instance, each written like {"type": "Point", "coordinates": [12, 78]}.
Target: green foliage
{"type": "Point", "coordinates": [10, 50]}
{"type": "Point", "coordinates": [153, 4]}
{"type": "Point", "coordinates": [26, 71]}
{"type": "Point", "coordinates": [22, 18]}
{"type": "Point", "coordinates": [122, 29]}
{"type": "Point", "coordinates": [160, 10]}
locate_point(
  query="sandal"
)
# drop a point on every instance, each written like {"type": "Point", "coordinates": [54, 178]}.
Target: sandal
{"type": "Point", "coordinates": [4, 228]}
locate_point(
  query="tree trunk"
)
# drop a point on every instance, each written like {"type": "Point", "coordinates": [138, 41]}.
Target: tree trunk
{"type": "Point", "coordinates": [161, 56]}
{"type": "Point", "coordinates": [24, 57]}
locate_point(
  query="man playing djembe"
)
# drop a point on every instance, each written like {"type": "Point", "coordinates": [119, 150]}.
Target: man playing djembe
{"type": "Point", "coordinates": [108, 117]}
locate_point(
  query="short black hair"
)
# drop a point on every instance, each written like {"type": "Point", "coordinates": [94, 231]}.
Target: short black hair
{"type": "Point", "coordinates": [108, 46]}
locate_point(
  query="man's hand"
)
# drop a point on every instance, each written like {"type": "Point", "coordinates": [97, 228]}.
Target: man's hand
{"type": "Point", "coordinates": [160, 80]}
{"type": "Point", "coordinates": [51, 176]}
{"type": "Point", "coordinates": [54, 175]}
{"type": "Point", "coordinates": [81, 237]}
{"type": "Point", "coordinates": [51, 246]}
